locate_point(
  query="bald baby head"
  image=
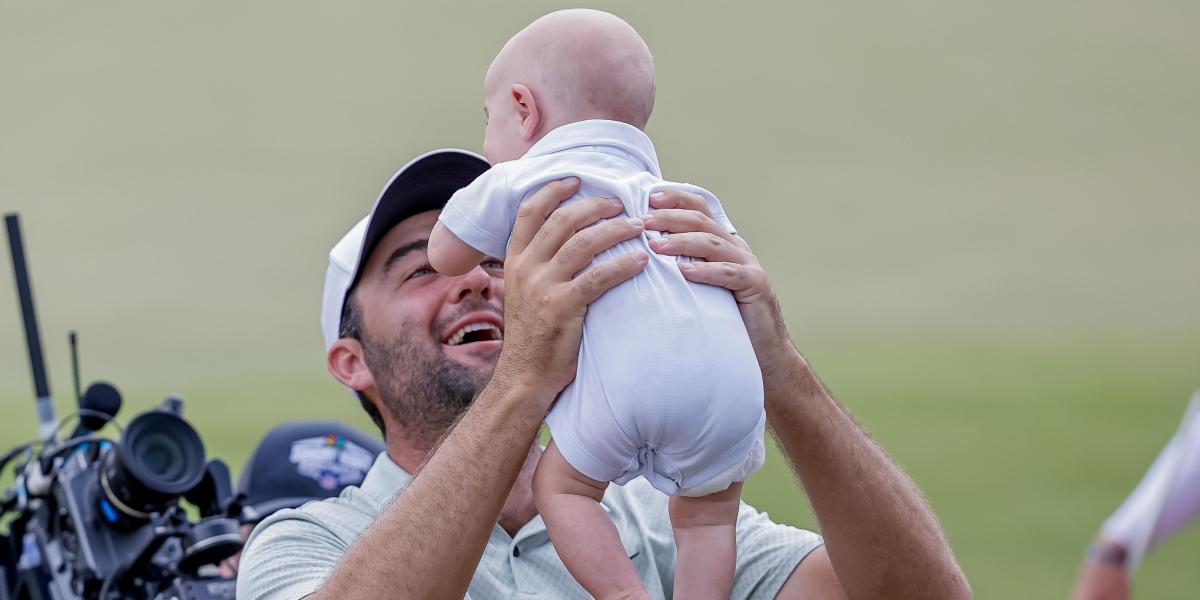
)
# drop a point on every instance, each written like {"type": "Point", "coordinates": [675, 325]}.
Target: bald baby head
{"type": "Point", "coordinates": [567, 66]}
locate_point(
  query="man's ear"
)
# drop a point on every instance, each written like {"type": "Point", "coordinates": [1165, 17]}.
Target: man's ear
{"type": "Point", "coordinates": [346, 363]}
{"type": "Point", "coordinates": [527, 109]}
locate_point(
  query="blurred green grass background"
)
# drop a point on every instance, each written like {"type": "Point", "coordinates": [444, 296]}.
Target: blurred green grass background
{"type": "Point", "coordinates": [981, 218]}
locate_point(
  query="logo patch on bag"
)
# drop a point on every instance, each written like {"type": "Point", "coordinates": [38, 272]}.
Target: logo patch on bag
{"type": "Point", "coordinates": [331, 461]}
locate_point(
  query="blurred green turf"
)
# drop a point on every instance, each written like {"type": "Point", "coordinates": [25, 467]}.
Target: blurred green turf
{"type": "Point", "coordinates": [1022, 446]}
{"type": "Point", "coordinates": [981, 218]}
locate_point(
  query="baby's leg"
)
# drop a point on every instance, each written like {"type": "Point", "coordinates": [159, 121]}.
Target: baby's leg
{"type": "Point", "coordinates": [705, 543]}
{"type": "Point", "coordinates": [583, 534]}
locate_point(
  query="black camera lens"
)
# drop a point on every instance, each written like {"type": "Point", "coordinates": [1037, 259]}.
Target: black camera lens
{"type": "Point", "coordinates": [159, 458]}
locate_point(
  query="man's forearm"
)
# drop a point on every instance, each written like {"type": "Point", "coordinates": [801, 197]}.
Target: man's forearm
{"type": "Point", "coordinates": [882, 537]}
{"type": "Point", "coordinates": [428, 543]}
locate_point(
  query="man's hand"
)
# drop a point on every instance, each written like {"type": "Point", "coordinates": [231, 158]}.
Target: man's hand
{"type": "Point", "coordinates": [691, 231]}
{"type": "Point", "coordinates": [729, 263]}
{"type": "Point", "coordinates": [544, 299]}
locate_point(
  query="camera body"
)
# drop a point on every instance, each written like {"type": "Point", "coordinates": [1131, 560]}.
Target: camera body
{"type": "Point", "coordinates": [104, 521]}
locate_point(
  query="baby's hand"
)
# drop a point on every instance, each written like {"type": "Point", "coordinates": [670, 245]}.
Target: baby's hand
{"type": "Point", "coordinates": [449, 255]}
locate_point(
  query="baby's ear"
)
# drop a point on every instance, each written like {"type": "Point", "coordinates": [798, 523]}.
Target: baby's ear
{"type": "Point", "coordinates": [527, 108]}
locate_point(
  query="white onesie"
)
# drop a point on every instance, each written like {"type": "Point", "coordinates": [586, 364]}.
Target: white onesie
{"type": "Point", "coordinates": [667, 384]}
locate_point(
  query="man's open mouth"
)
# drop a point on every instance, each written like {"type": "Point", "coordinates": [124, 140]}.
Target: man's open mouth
{"type": "Point", "coordinates": [475, 332]}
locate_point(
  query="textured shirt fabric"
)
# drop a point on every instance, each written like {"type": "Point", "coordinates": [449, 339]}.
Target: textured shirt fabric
{"type": "Point", "coordinates": [667, 385]}
{"type": "Point", "coordinates": [291, 553]}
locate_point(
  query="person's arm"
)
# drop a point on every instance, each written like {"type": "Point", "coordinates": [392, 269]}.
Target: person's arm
{"type": "Point", "coordinates": [448, 254]}
{"type": "Point", "coordinates": [1167, 498]}
{"type": "Point", "coordinates": [1165, 501]}
{"type": "Point", "coordinates": [477, 221]}
{"type": "Point", "coordinates": [882, 539]}
{"type": "Point", "coordinates": [428, 543]}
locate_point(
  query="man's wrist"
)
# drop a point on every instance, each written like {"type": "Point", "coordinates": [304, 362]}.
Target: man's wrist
{"type": "Point", "coordinates": [783, 367]}
{"type": "Point", "coordinates": [529, 390]}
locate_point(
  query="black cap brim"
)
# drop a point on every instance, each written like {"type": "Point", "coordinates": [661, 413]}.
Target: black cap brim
{"type": "Point", "coordinates": [422, 185]}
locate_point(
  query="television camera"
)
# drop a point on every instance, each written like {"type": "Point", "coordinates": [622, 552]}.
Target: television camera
{"type": "Point", "coordinates": [91, 517]}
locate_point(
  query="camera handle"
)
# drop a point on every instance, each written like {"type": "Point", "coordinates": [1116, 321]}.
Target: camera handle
{"type": "Point", "coordinates": [155, 538]}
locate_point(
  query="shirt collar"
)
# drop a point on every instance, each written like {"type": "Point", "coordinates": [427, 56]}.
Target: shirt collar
{"type": "Point", "coordinates": [385, 479]}
{"type": "Point", "coordinates": [600, 132]}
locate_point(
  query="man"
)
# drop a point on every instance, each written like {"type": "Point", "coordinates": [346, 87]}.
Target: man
{"type": "Point", "coordinates": [448, 511]}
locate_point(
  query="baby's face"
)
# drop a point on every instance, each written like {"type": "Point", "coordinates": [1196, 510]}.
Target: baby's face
{"type": "Point", "coordinates": [502, 139]}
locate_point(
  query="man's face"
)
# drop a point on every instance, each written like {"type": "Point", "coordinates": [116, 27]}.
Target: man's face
{"type": "Point", "coordinates": [430, 341]}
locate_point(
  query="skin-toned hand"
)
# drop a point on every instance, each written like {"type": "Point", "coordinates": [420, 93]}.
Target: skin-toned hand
{"type": "Point", "coordinates": [1099, 580]}
{"type": "Point", "coordinates": [690, 231]}
{"type": "Point", "coordinates": [545, 300]}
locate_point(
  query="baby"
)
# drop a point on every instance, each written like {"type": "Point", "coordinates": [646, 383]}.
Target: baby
{"type": "Point", "coordinates": [667, 386]}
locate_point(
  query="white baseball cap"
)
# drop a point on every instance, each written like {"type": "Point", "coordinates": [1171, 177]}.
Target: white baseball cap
{"type": "Point", "coordinates": [424, 184]}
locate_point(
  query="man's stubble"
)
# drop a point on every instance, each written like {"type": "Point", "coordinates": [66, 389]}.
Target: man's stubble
{"type": "Point", "coordinates": [423, 390]}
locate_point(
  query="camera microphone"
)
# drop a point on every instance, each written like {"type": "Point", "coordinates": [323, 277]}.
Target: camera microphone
{"type": "Point", "coordinates": [98, 405]}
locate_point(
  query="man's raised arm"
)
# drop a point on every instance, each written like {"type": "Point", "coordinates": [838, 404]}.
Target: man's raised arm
{"type": "Point", "coordinates": [428, 543]}
{"type": "Point", "coordinates": [882, 539]}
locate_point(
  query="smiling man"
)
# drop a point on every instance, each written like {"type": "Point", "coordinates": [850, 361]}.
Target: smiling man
{"type": "Point", "coordinates": [459, 372]}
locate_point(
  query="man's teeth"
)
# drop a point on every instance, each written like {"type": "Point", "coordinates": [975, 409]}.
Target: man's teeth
{"type": "Point", "coordinates": [458, 336]}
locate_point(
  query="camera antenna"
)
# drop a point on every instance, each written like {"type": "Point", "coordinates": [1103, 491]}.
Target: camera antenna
{"type": "Point", "coordinates": [41, 385]}
{"type": "Point", "coordinates": [74, 340]}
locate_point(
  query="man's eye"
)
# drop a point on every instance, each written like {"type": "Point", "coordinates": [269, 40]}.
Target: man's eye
{"type": "Point", "coordinates": [493, 263]}
{"type": "Point", "coordinates": [419, 272]}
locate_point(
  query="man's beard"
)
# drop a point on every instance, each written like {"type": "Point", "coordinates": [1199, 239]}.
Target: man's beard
{"type": "Point", "coordinates": [424, 391]}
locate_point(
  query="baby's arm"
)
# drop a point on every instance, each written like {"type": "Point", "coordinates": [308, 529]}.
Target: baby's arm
{"type": "Point", "coordinates": [449, 255]}
{"type": "Point", "coordinates": [476, 222]}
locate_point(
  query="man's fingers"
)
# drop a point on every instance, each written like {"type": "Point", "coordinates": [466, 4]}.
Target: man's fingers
{"type": "Point", "coordinates": [533, 212]}
{"type": "Point", "coordinates": [731, 276]}
{"type": "Point", "coordinates": [578, 251]}
{"type": "Point", "coordinates": [674, 220]}
{"type": "Point", "coordinates": [602, 277]}
{"type": "Point", "coordinates": [675, 198]}
{"type": "Point", "coordinates": [564, 222]}
{"type": "Point", "coordinates": [710, 247]}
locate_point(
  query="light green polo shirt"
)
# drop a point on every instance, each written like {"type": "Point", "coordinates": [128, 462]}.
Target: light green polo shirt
{"type": "Point", "coordinates": [290, 553]}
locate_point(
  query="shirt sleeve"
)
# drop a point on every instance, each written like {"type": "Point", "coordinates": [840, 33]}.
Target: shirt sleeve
{"type": "Point", "coordinates": [1168, 497]}
{"type": "Point", "coordinates": [767, 554]}
{"type": "Point", "coordinates": [287, 557]}
{"type": "Point", "coordinates": [482, 214]}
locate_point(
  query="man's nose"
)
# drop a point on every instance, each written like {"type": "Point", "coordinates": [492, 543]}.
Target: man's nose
{"type": "Point", "coordinates": [476, 282]}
